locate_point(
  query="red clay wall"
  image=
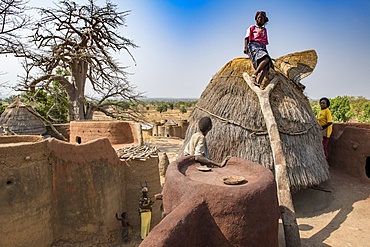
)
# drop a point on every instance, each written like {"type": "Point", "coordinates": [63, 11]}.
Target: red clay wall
{"type": "Point", "coordinates": [25, 192]}
{"type": "Point", "coordinates": [349, 148]}
{"type": "Point", "coordinates": [57, 193]}
{"type": "Point", "coordinates": [88, 190]}
{"type": "Point", "coordinates": [118, 132]}
{"type": "Point", "coordinates": [203, 211]}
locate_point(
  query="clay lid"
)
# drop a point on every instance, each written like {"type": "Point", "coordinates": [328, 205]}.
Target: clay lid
{"type": "Point", "coordinates": [231, 180]}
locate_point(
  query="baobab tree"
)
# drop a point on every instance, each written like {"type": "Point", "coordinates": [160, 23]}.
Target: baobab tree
{"type": "Point", "coordinates": [80, 39]}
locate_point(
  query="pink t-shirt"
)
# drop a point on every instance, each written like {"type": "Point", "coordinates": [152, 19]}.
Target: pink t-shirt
{"type": "Point", "coordinates": [257, 34]}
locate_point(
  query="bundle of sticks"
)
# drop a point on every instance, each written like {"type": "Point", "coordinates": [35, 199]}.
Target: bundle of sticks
{"type": "Point", "coordinates": [143, 152]}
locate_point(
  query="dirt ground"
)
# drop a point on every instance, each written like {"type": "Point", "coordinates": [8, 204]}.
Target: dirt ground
{"type": "Point", "coordinates": [336, 214]}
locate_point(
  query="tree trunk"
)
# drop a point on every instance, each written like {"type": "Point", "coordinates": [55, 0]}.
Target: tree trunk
{"type": "Point", "coordinates": [76, 92]}
{"type": "Point", "coordinates": [291, 231]}
{"type": "Point", "coordinates": [89, 111]}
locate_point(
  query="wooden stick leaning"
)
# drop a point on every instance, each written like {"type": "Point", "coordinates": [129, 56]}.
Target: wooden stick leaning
{"type": "Point", "coordinates": [291, 231]}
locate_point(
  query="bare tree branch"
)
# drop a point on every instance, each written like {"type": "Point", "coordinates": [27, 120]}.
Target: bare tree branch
{"type": "Point", "coordinates": [12, 20]}
{"type": "Point", "coordinates": [80, 39]}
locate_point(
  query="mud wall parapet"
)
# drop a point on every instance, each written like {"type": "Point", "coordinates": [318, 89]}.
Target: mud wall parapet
{"type": "Point", "coordinates": [87, 189]}
{"type": "Point", "coordinates": [25, 193]}
{"type": "Point", "coordinates": [349, 149]}
{"type": "Point", "coordinates": [118, 132]}
{"type": "Point", "coordinates": [58, 193]}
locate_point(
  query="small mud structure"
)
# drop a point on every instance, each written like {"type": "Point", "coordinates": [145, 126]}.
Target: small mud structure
{"type": "Point", "coordinates": [349, 148]}
{"type": "Point", "coordinates": [201, 210]}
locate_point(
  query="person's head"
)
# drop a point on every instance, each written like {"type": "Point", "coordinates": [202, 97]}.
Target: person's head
{"type": "Point", "coordinates": [261, 18]}
{"type": "Point", "coordinates": [205, 125]}
{"type": "Point", "coordinates": [324, 103]}
{"type": "Point", "coordinates": [144, 190]}
{"type": "Point", "coordinates": [123, 215]}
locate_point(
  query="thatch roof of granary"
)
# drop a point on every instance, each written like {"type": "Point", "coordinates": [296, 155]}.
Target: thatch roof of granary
{"type": "Point", "coordinates": [22, 119]}
{"type": "Point", "coordinates": [239, 128]}
{"type": "Point", "coordinates": [170, 122]}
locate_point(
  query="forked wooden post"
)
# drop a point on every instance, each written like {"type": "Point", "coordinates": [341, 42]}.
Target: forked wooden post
{"type": "Point", "coordinates": [291, 231]}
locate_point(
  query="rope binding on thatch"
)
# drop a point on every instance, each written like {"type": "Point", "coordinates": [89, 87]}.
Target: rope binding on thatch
{"type": "Point", "coordinates": [255, 131]}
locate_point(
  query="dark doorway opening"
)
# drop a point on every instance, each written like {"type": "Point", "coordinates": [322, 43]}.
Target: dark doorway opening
{"type": "Point", "coordinates": [367, 167]}
{"type": "Point", "coordinates": [78, 139]}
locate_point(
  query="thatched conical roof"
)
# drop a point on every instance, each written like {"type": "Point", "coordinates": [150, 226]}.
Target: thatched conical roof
{"type": "Point", "coordinates": [238, 123]}
{"type": "Point", "coordinates": [22, 119]}
{"type": "Point", "coordinates": [170, 122]}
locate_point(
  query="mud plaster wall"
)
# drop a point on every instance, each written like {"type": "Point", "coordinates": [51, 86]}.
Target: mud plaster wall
{"type": "Point", "coordinates": [349, 147]}
{"type": "Point", "coordinates": [25, 193]}
{"type": "Point", "coordinates": [88, 190]}
{"type": "Point", "coordinates": [169, 130]}
{"type": "Point", "coordinates": [118, 132]}
{"type": "Point", "coordinates": [56, 191]}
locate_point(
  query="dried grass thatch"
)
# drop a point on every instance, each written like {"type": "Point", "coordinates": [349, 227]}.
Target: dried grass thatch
{"type": "Point", "coordinates": [238, 124]}
{"type": "Point", "coordinates": [22, 119]}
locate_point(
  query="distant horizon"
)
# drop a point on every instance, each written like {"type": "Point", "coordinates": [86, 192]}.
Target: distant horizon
{"type": "Point", "coordinates": [175, 99]}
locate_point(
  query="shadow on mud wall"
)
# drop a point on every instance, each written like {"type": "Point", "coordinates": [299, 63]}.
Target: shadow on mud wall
{"type": "Point", "coordinates": [336, 196]}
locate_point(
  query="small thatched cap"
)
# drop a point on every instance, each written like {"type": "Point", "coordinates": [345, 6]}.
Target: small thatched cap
{"type": "Point", "coordinates": [170, 122]}
{"type": "Point", "coordinates": [21, 119]}
{"type": "Point", "coordinates": [239, 128]}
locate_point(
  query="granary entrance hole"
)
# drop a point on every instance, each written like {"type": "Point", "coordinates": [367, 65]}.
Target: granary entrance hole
{"type": "Point", "coordinates": [10, 183]}
{"type": "Point", "coordinates": [78, 139]}
{"type": "Point", "coordinates": [367, 167]}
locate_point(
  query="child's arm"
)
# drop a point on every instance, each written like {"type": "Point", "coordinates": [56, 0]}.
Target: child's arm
{"type": "Point", "coordinates": [326, 125]}
{"type": "Point", "coordinates": [246, 41]}
{"type": "Point", "coordinates": [117, 217]}
{"type": "Point", "coordinates": [203, 160]}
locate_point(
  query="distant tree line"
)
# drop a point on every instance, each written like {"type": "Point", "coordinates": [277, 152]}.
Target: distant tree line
{"type": "Point", "coordinates": [163, 106]}
{"type": "Point", "coordinates": [54, 106]}
{"type": "Point", "coordinates": [346, 109]}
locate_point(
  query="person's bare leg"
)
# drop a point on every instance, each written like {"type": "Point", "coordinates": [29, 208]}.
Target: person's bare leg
{"type": "Point", "coordinates": [260, 67]}
{"type": "Point", "coordinates": [263, 74]}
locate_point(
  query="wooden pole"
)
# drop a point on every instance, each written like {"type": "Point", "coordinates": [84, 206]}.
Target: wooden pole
{"type": "Point", "coordinates": [291, 231]}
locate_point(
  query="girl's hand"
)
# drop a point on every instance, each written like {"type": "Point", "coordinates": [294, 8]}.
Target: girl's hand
{"type": "Point", "coordinates": [245, 50]}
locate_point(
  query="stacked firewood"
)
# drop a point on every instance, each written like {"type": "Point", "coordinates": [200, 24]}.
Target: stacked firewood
{"type": "Point", "coordinates": [143, 152]}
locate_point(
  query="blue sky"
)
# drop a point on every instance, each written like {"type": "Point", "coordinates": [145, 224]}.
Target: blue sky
{"type": "Point", "coordinates": [184, 43]}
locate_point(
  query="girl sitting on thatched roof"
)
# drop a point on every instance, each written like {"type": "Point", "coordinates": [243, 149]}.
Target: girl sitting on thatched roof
{"type": "Point", "coordinates": [255, 43]}
{"type": "Point", "coordinates": [197, 144]}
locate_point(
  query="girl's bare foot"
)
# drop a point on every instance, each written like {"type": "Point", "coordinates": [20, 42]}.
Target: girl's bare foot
{"type": "Point", "coordinates": [254, 80]}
